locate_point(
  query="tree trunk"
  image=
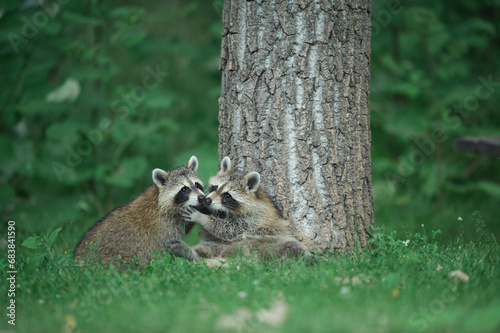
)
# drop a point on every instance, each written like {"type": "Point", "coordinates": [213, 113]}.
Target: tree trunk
{"type": "Point", "coordinates": [295, 107]}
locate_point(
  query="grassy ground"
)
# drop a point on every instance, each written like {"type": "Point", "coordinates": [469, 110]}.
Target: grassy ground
{"type": "Point", "coordinates": [395, 286]}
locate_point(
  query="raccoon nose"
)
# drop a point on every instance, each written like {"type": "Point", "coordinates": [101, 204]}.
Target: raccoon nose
{"type": "Point", "coordinates": [201, 198]}
{"type": "Point", "coordinates": [208, 202]}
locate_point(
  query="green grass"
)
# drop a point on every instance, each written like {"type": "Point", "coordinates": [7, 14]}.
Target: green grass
{"type": "Point", "coordinates": [392, 286]}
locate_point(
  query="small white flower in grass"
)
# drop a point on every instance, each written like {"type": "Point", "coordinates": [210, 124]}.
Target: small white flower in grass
{"type": "Point", "coordinates": [439, 267]}
{"type": "Point", "coordinates": [459, 218]}
{"type": "Point", "coordinates": [345, 290]}
{"type": "Point", "coordinates": [356, 280]}
{"type": "Point", "coordinates": [406, 242]}
{"type": "Point", "coordinates": [242, 294]}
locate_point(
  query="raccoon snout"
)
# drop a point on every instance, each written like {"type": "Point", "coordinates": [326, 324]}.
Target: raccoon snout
{"type": "Point", "coordinates": [207, 202]}
{"type": "Point", "coordinates": [201, 198]}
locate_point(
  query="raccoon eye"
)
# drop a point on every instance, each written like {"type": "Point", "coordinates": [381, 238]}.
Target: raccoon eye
{"type": "Point", "coordinates": [213, 188]}
{"type": "Point", "coordinates": [228, 201]}
{"type": "Point", "coordinates": [198, 186]}
{"type": "Point", "coordinates": [184, 189]}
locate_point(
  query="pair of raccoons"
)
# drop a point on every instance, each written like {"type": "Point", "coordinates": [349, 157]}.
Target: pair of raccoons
{"type": "Point", "coordinates": [236, 217]}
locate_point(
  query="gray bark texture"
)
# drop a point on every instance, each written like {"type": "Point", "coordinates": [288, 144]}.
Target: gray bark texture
{"type": "Point", "coordinates": [295, 107]}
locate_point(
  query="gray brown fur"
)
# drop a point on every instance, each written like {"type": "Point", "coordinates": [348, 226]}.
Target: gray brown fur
{"type": "Point", "coordinates": [141, 228]}
{"type": "Point", "coordinates": [253, 225]}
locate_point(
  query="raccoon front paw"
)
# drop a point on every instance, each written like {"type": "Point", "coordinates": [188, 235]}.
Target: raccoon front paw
{"type": "Point", "coordinates": [190, 214]}
{"type": "Point", "coordinates": [181, 249]}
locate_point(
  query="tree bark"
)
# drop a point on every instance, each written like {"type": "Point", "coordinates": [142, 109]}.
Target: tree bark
{"type": "Point", "coordinates": [295, 107]}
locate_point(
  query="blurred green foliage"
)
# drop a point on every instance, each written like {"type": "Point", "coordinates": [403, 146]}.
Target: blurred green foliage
{"type": "Point", "coordinates": [95, 94]}
{"type": "Point", "coordinates": [434, 78]}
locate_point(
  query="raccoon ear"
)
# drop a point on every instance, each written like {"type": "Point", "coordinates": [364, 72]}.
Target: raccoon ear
{"type": "Point", "coordinates": [160, 177]}
{"type": "Point", "coordinates": [225, 165]}
{"type": "Point", "coordinates": [193, 163]}
{"type": "Point", "coordinates": [252, 181]}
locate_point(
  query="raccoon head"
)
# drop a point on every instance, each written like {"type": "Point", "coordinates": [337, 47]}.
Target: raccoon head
{"type": "Point", "coordinates": [179, 187]}
{"type": "Point", "coordinates": [235, 195]}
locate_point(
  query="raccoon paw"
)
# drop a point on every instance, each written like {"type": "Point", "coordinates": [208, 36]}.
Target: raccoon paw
{"type": "Point", "coordinates": [188, 213]}
{"type": "Point", "coordinates": [191, 214]}
{"type": "Point", "coordinates": [181, 249]}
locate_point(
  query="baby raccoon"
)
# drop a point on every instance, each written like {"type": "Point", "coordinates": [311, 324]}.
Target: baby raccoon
{"type": "Point", "coordinates": [241, 218]}
{"type": "Point", "coordinates": [144, 226]}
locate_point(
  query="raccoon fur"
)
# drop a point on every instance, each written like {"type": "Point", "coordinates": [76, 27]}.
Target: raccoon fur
{"type": "Point", "coordinates": [143, 227]}
{"type": "Point", "coordinates": [241, 219]}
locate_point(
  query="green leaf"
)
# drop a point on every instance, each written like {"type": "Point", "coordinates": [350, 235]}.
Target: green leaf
{"type": "Point", "coordinates": [68, 131]}
{"type": "Point", "coordinates": [490, 188]}
{"type": "Point", "coordinates": [480, 25]}
{"type": "Point", "coordinates": [131, 13]}
{"type": "Point", "coordinates": [32, 242]}
{"type": "Point", "coordinates": [38, 258]}
{"type": "Point", "coordinates": [130, 37]}
{"type": "Point", "coordinates": [73, 17]}
{"type": "Point", "coordinates": [159, 101]}
{"type": "Point", "coordinates": [406, 89]}
{"type": "Point", "coordinates": [52, 28]}
{"type": "Point", "coordinates": [53, 236]}
{"type": "Point", "coordinates": [102, 172]}
{"type": "Point", "coordinates": [41, 108]}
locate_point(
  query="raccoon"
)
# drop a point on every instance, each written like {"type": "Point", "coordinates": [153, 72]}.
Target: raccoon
{"type": "Point", "coordinates": [238, 216]}
{"type": "Point", "coordinates": [143, 227]}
